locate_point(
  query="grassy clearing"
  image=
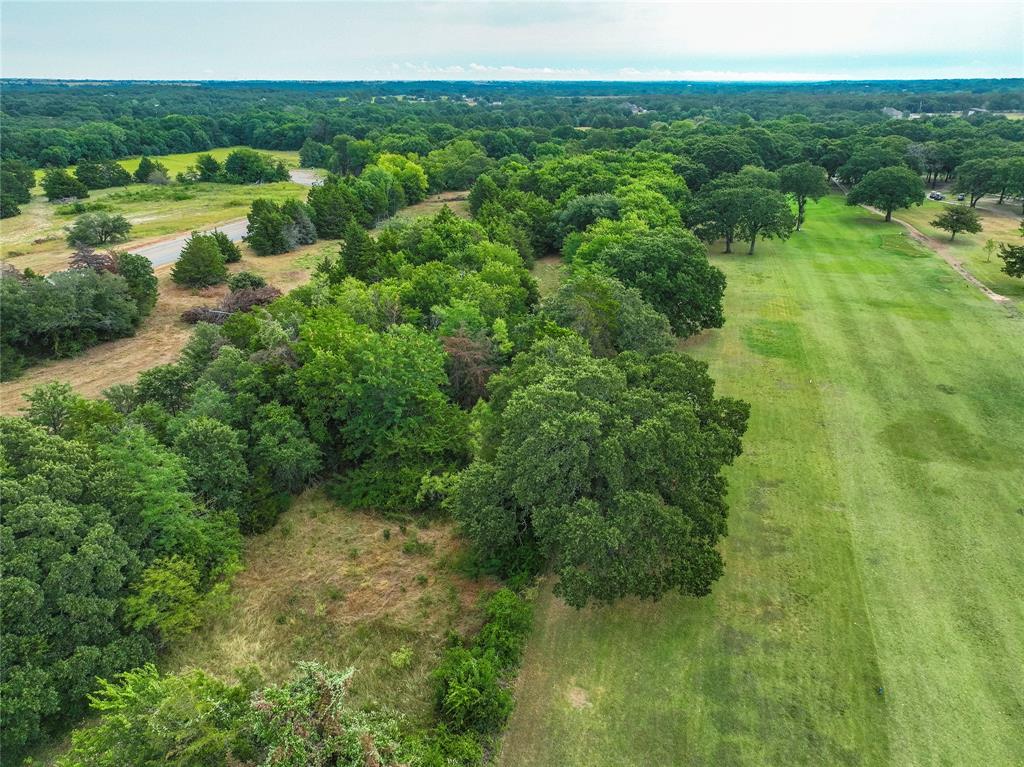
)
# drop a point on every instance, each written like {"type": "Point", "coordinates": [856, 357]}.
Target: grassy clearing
{"type": "Point", "coordinates": [548, 273]}
{"type": "Point", "coordinates": [457, 201]}
{"type": "Point", "coordinates": [163, 334]}
{"type": "Point", "coordinates": [870, 613]}
{"type": "Point", "coordinates": [1000, 224]}
{"type": "Point", "coordinates": [178, 163]}
{"type": "Point", "coordinates": [346, 589]}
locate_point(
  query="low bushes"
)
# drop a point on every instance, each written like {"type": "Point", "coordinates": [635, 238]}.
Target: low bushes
{"type": "Point", "coordinates": [193, 718]}
{"type": "Point", "coordinates": [472, 682]}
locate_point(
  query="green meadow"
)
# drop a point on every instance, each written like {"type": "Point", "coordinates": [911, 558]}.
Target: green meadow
{"type": "Point", "coordinates": [177, 163]}
{"type": "Point", "coordinates": [871, 608]}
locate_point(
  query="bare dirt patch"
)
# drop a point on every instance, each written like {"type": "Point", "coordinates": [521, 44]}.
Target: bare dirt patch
{"type": "Point", "coordinates": [578, 698]}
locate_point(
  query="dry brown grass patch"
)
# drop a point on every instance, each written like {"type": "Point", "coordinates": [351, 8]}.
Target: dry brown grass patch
{"type": "Point", "coordinates": [162, 334]}
{"type": "Point", "coordinates": [326, 584]}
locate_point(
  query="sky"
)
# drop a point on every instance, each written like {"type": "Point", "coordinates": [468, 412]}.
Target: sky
{"type": "Point", "coordinates": [482, 40]}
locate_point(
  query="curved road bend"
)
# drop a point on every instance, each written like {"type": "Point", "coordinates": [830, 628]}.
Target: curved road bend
{"type": "Point", "coordinates": [167, 251]}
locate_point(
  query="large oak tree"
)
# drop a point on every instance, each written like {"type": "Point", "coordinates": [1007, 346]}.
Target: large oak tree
{"type": "Point", "coordinates": [611, 468]}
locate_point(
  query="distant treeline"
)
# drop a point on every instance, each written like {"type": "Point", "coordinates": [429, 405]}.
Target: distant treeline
{"type": "Point", "coordinates": [50, 125]}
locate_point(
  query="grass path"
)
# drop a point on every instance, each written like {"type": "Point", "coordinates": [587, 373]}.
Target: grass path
{"type": "Point", "coordinates": [871, 610]}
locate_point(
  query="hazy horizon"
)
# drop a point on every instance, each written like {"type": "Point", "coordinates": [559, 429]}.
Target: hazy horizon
{"type": "Point", "coordinates": [500, 41]}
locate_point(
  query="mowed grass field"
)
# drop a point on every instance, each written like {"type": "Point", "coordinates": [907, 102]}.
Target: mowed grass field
{"type": "Point", "coordinates": [1000, 224]}
{"type": "Point", "coordinates": [871, 612]}
{"type": "Point", "coordinates": [177, 163]}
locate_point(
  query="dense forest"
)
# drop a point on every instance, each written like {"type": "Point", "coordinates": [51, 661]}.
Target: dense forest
{"type": "Point", "coordinates": [419, 371]}
{"type": "Point", "coordinates": [57, 124]}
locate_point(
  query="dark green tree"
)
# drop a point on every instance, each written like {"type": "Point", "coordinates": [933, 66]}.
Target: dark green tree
{"type": "Point", "coordinates": [208, 168]}
{"type": "Point", "coordinates": [301, 230]}
{"type": "Point", "coordinates": [16, 182]}
{"type": "Point", "coordinates": [612, 468]}
{"type": "Point", "coordinates": [957, 218]}
{"type": "Point", "coordinates": [1013, 259]}
{"type": "Point", "coordinates": [669, 267]}
{"type": "Point", "coordinates": [804, 182]}
{"type": "Point", "coordinates": [267, 232]}
{"type": "Point", "coordinates": [359, 256]}
{"type": "Point", "coordinates": [102, 175]}
{"type": "Point", "coordinates": [137, 271]}
{"type": "Point", "coordinates": [313, 154]}
{"type": "Point", "coordinates": [245, 281]}
{"type": "Point", "coordinates": [150, 172]}
{"type": "Point", "coordinates": [611, 317]}
{"type": "Point", "coordinates": [214, 461]}
{"type": "Point", "coordinates": [978, 177]}
{"type": "Point", "coordinates": [717, 212]}
{"type": "Point", "coordinates": [247, 166]}
{"type": "Point", "coordinates": [59, 184]}
{"type": "Point", "coordinates": [200, 264]}
{"type": "Point", "coordinates": [376, 402]}
{"type": "Point", "coordinates": [888, 189]}
{"type": "Point", "coordinates": [231, 252]}
{"type": "Point", "coordinates": [581, 212]}
{"type": "Point", "coordinates": [281, 445]}
{"type": "Point", "coordinates": [767, 215]}
{"type": "Point", "coordinates": [333, 205]}
{"type": "Point", "coordinates": [485, 190]}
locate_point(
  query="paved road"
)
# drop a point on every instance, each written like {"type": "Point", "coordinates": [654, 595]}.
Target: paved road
{"type": "Point", "coordinates": [167, 251]}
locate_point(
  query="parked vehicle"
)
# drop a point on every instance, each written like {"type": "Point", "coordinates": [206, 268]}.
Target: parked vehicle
{"type": "Point", "coordinates": [936, 196]}
{"type": "Point", "coordinates": [960, 197]}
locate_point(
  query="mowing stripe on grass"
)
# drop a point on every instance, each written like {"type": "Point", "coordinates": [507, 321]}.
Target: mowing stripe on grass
{"type": "Point", "coordinates": [871, 610]}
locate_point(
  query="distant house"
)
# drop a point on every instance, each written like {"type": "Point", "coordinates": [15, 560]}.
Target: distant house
{"type": "Point", "coordinates": [895, 114]}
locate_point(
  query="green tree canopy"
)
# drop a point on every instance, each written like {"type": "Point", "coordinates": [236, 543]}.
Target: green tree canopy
{"type": "Point", "coordinates": [59, 184]}
{"type": "Point", "coordinates": [767, 214]}
{"type": "Point", "coordinates": [267, 230]}
{"type": "Point", "coordinates": [200, 264]}
{"type": "Point", "coordinates": [888, 189]}
{"type": "Point", "coordinates": [958, 218]}
{"type": "Point", "coordinates": [150, 171]}
{"type": "Point", "coordinates": [333, 205]}
{"type": "Point", "coordinates": [98, 228]}
{"type": "Point", "coordinates": [376, 402]}
{"type": "Point", "coordinates": [668, 266]}
{"type": "Point", "coordinates": [804, 182]}
{"type": "Point", "coordinates": [611, 467]}
{"type": "Point", "coordinates": [978, 177]}
{"type": "Point", "coordinates": [1013, 259]}
{"type": "Point", "coordinates": [611, 317]}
